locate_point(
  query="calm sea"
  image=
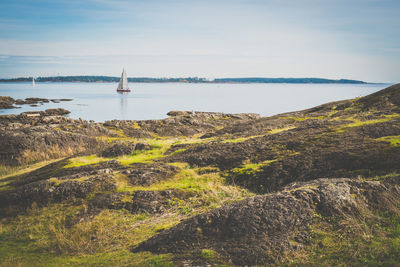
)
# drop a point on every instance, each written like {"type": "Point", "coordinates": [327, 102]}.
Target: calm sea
{"type": "Point", "coordinates": [101, 102]}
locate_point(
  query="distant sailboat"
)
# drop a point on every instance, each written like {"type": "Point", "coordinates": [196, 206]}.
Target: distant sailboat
{"type": "Point", "coordinates": [123, 84]}
{"type": "Point", "coordinates": [33, 81]}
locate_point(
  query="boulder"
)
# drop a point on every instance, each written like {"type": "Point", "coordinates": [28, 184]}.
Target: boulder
{"type": "Point", "coordinates": [6, 102]}
{"type": "Point", "coordinates": [120, 148]}
{"type": "Point", "coordinates": [56, 111]}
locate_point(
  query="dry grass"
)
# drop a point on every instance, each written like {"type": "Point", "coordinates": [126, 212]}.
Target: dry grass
{"type": "Point", "coordinates": [52, 229]}
{"type": "Point", "coordinates": [50, 152]}
{"type": "Point", "coordinates": [48, 237]}
{"type": "Point", "coordinates": [7, 171]}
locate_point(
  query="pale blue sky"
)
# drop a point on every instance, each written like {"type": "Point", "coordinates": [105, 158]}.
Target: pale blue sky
{"type": "Point", "coordinates": [355, 39]}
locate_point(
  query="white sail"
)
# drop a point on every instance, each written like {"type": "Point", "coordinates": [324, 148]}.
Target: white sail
{"type": "Point", "coordinates": [123, 82]}
{"type": "Point", "coordinates": [33, 81]}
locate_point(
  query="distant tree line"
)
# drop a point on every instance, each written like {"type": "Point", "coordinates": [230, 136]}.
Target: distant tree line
{"type": "Point", "coordinates": [284, 80]}
{"type": "Point", "coordinates": [93, 79]}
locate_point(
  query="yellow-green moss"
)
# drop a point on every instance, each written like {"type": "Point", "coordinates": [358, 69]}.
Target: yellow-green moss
{"type": "Point", "coordinates": [177, 151]}
{"type": "Point", "coordinates": [84, 160]}
{"type": "Point", "coordinates": [393, 140]}
{"type": "Point", "coordinates": [207, 254]}
{"type": "Point", "coordinates": [145, 156]}
{"type": "Point", "coordinates": [303, 118]}
{"type": "Point", "coordinates": [141, 156]}
{"type": "Point", "coordinates": [251, 168]}
{"type": "Point", "coordinates": [358, 123]}
{"type": "Point", "coordinates": [278, 130]}
{"type": "Point", "coordinates": [135, 125]}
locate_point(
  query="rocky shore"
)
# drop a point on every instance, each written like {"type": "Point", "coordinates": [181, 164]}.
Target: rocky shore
{"type": "Point", "coordinates": [7, 102]}
{"type": "Point", "coordinates": [312, 187]}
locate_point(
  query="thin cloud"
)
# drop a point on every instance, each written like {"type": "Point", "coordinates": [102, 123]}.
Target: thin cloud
{"type": "Point", "coordinates": [357, 39]}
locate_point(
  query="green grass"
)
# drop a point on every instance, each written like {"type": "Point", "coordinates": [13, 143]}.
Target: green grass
{"type": "Point", "coordinates": [204, 192]}
{"type": "Point", "coordinates": [393, 140]}
{"type": "Point", "coordinates": [159, 148]}
{"type": "Point", "coordinates": [43, 237]}
{"type": "Point", "coordinates": [251, 168]}
{"type": "Point", "coordinates": [358, 123]}
{"type": "Point", "coordinates": [8, 171]}
{"type": "Point", "coordinates": [121, 257]}
{"type": "Point", "coordinates": [207, 254]}
{"type": "Point", "coordinates": [278, 130]}
{"type": "Point", "coordinates": [241, 139]}
{"type": "Point", "coordinates": [145, 156]}
{"type": "Point", "coordinates": [84, 160]}
{"type": "Point", "coordinates": [135, 125]}
{"type": "Point", "coordinates": [372, 238]}
{"type": "Point", "coordinates": [188, 180]}
{"type": "Point", "coordinates": [142, 156]}
{"type": "Point", "coordinates": [381, 178]}
{"type": "Point", "coordinates": [333, 112]}
{"type": "Point", "coordinates": [303, 118]}
{"type": "Point", "coordinates": [177, 151]}
{"type": "Point", "coordinates": [55, 235]}
{"type": "Point", "coordinates": [332, 247]}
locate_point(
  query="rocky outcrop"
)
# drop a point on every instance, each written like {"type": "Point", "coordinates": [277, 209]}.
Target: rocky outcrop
{"type": "Point", "coordinates": [28, 144]}
{"type": "Point", "coordinates": [35, 136]}
{"type": "Point", "coordinates": [57, 170]}
{"type": "Point", "coordinates": [6, 102]}
{"type": "Point", "coordinates": [150, 202]}
{"type": "Point", "coordinates": [263, 229]}
{"type": "Point", "coordinates": [121, 148]}
{"type": "Point", "coordinates": [180, 123]}
{"type": "Point", "coordinates": [384, 100]}
{"type": "Point", "coordinates": [56, 112]}
{"type": "Point", "coordinates": [47, 191]}
{"type": "Point", "coordinates": [145, 174]}
{"type": "Point", "coordinates": [202, 160]}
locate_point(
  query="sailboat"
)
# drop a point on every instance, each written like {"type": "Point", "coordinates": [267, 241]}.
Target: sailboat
{"type": "Point", "coordinates": [33, 81]}
{"type": "Point", "coordinates": [123, 83]}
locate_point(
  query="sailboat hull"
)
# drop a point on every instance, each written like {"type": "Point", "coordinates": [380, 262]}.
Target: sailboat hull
{"type": "Point", "coordinates": [123, 91]}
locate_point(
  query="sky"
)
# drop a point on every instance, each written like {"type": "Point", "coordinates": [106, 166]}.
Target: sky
{"type": "Point", "coordinates": [352, 39]}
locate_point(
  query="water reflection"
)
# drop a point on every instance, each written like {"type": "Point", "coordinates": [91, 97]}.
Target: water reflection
{"type": "Point", "coordinates": [124, 105]}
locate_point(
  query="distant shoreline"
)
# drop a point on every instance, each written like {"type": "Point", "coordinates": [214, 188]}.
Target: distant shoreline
{"type": "Point", "coordinates": [107, 79]}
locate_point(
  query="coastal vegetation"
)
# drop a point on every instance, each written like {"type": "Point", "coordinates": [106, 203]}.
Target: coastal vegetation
{"type": "Point", "coordinates": [312, 187]}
